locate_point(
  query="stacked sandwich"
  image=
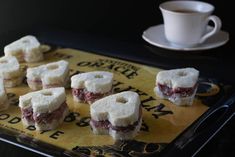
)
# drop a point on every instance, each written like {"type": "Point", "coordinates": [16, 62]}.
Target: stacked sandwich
{"type": "Point", "coordinates": [91, 86]}
{"type": "Point", "coordinates": [26, 49]}
{"type": "Point", "coordinates": [44, 109]}
{"type": "Point", "coordinates": [10, 71]}
{"type": "Point", "coordinates": [3, 96]}
{"type": "Point", "coordinates": [119, 115]}
{"type": "Point", "coordinates": [177, 85]}
{"type": "Point", "coordinates": [50, 75]}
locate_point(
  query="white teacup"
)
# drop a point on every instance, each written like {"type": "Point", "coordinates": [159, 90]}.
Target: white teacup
{"type": "Point", "coordinates": [186, 22]}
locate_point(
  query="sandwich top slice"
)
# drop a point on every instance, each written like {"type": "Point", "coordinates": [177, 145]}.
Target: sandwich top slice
{"type": "Point", "coordinates": [45, 109]}
{"type": "Point", "coordinates": [50, 75]}
{"type": "Point", "coordinates": [91, 86]}
{"type": "Point", "coordinates": [25, 49]}
{"type": "Point", "coordinates": [3, 96]}
{"type": "Point", "coordinates": [10, 71]}
{"type": "Point", "coordinates": [119, 115]}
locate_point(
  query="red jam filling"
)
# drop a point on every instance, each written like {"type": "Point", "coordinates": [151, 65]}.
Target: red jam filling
{"type": "Point", "coordinates": [86, 96]}
{"type": "Point", "coordinates": [183, 92]}
{"type": "Point", "coordinates": [106, 124]}
{"type": "Point", "coordinates": [43, 117]}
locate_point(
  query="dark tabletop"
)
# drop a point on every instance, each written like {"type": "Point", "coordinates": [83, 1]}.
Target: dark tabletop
{"type": "Point", "coordinates": [115, 29]}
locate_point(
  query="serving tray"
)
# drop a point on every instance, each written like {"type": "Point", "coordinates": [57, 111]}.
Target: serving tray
{"type": "Point", "coordinates": [163, 121]}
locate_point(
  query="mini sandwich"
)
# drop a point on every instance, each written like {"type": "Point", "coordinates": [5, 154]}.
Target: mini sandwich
{"type": "Point", "coordinates": [177, 85]}
{"type": "Point", "coordinates": [44, 109]}
{"type": "Point", "coordinates": [10, 71]}
{"type": "Point", "coordinates": [91, 86]}
{"type": "Point", "coordinates": [119, 115]}
{"type": "Point", "coordinates": [50, 75]}
{"type": "Point", "coordinates": [3, 96]}
{"type": "Point", "coordinates": [25, 49]}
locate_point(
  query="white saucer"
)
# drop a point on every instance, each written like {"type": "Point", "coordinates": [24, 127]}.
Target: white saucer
{"type": "Point", "coordinates": [155, 36]}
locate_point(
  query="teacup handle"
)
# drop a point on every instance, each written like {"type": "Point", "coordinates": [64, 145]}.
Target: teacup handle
{"type": "Point", "coordinates": [217, 22]}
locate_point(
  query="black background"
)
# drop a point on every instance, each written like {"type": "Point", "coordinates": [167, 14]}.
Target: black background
{"type": "Point", "coordinates": [122, 20]}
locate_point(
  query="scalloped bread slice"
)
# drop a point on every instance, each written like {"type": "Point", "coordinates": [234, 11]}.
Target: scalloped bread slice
{"type": "Point", "coordinates": [25, 49]}
{"type": "Point", "coordinates": [95, 81]}
{"type": "Point", "coordinates": [55, 74]}
{"type": "Point", "coordinates": [91, 86]}
{"type": "Point", "coordinates": [10, 71]}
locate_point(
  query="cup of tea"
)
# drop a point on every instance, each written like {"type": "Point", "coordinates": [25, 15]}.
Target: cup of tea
{"type": "Point", "coordinates": [186, 22]}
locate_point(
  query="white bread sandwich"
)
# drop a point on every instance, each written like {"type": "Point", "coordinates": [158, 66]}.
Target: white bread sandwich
{"type": "Point", "coordinates": [119, 115]}
{"type": "Point", "coordinates": [55, 74]}
{"type": "Point", "coordinates": [91, 86]}
{"type": "Point", "coordinates": [177, 85]}
{"type": "Point", "coordinates": [44, 109]}
{"type": "Point", "coordinates": [3, 96]}
{"type": "Point", "coordinates": [25, 49]}
{"type": "Point", "coordinates": [10, 71]}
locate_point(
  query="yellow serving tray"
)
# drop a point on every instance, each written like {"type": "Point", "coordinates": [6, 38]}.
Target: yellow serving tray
{"type": "Point", "coordinates": [162, 120]}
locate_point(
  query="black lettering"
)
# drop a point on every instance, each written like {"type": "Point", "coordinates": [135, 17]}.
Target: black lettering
{"type": "Point", "coordinates": [109, 66]}
{"type": "Point", "coordinates": [31, 128]}
{"type": "Point", "coordinates": [117, 83]}
{"type": "Point", "coordinates": [97, 64]}
{"type": "Point", "coordinates": [4, 116]}
{"type": "Point", "coordinates": [160, 107]}
{"type": "Point", "coordinates": [120, 69]}
{"type": "Point", "coordinates": [151, 108]}
{"type": "Point", "coordinates": [71, 117]}
{"type": "Point", "coordinates": [132, 75]}
{"type": "Point", "coordinates": [147, 100]}
{"type": "Point", "coordinates": [61, 55]}
{"type": "Point", "coordinates": [14, 120]}
{"type": "Point", "coordinates": [160, 112]}
{"type": "Point", "coordinates": [155, 116]}
{"type": "Point", "coordinates": [83, 122]}
{"type": "Point", "coordinates": [144, 127]}
{"type": "Point", "coordinates": [127, 72]}
{"type": "Point", "coordinates": [140, 92]}
{"type": "Point", "coordinates": [56, 134]}
{"type": "Point", "coordinates": [83, 64]}
{"type": "Point", "coordinates": [126, 89]}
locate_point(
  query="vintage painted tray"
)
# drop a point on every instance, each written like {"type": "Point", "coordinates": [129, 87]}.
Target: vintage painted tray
{"type": "Point", "coordinates": [162, 120]}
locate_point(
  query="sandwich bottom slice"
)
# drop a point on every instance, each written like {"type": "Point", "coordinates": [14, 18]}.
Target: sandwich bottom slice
{"type": "Point", "coordinates": [45, 121]}
{"type": "Point", "coordinates": [84, 96]}
{"type": "Point", "coordinates": [181, 98]}
{"type": "Point", "coordinates": [117, 132]}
